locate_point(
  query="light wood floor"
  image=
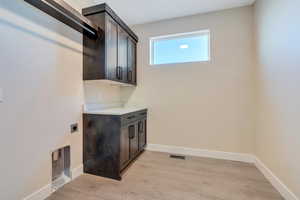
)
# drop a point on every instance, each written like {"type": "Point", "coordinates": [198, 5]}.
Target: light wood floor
{"type": "Point", "coordinates": [155, 176]}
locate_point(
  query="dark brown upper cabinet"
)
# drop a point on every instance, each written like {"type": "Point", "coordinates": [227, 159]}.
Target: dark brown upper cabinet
{"type": "Point", "coordinates": [113, 56]}
{"type": "Point", "coordinates": [131, 67]}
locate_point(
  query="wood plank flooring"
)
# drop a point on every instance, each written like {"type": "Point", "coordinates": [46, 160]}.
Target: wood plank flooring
{"type": "Point", "coordinates": [155, 176]}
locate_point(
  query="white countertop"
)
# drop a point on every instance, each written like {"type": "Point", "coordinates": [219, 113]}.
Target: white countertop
{"type": "Point", "coordinates": [114, 111]}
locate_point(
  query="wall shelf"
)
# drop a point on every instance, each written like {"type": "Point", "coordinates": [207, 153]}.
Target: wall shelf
{"type": "Point", "coordinates": [63, 12]}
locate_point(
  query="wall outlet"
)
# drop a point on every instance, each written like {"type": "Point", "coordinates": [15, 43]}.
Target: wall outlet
{"type": "Point", "coordinates": [74, 128]}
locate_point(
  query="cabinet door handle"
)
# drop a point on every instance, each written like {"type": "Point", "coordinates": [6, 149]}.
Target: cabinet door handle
{"type": "Point", "coordinates": [141, 127]}
{"type": "Point", "coordinates": [131, 132]}
{"type": "Point", "coordinates": [132, 135]}
{"type": "Point", "coordinates": [130, 75]}
{"type": "Point", "coordinates": [121, 73]}
{"type": "Point", "coordinates": [118, 72]}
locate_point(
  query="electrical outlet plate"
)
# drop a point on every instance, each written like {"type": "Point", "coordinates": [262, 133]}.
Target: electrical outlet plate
{"type": "Point", "coordinates": [74, 128]}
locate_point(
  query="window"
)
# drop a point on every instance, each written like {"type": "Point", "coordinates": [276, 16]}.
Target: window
{"type": "Point", "coordinates": [180, 48]}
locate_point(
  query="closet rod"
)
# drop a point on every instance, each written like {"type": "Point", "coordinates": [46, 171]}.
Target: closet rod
{"type": "Point", "coordinates": [63, 12]}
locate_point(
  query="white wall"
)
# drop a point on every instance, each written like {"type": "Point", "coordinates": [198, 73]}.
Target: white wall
{"type": "Point", "coordinates": [278, 47]}
{"type": "Point", "coordinates": [41, 76]}
{"type": "Point", "coordinates": [201, 105]}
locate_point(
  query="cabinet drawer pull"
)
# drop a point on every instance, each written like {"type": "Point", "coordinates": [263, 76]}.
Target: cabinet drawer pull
{"type": "Point", "coordinates": [90, 124]}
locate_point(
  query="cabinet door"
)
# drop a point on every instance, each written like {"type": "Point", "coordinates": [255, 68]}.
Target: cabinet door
{"type": "Point", "coordinates": [112, 49]}
{"type": "Point", "coordinates": [122, 54]}
{"type": "Point", "coordinates": [125, 148]}
{"type": "Point", "coordinates": [142, 130]}
{"type": "Point", "coordinates": [134, 140]}
{"type": "Point", "coordinates": [131, 69]}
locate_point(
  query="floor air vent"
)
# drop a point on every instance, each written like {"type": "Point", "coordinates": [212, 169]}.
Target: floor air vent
{"type": "Point", "coordinates": [177, 157]}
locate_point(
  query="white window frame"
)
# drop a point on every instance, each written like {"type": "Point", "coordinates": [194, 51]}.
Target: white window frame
{"type": "Point", "coordinates": [179, 35]}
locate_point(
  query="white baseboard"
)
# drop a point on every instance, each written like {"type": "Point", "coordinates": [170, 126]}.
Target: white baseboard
{"type": "Point", "coordinates": [47, 190]}
{"type": "Point", "coordinates": [202, 153]}
{"type": "Point", "coordinates": [40, 194]}
{"type": "Point", "coordinates": [249, 158]}
{"type": "Point", "coordinates": [275, 181]}
{"type": "Point", "coordinates": [76, 172]}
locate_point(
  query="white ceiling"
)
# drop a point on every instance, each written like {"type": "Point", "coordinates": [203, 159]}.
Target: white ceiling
{"type": "Point", "coordinates": [143, 11]}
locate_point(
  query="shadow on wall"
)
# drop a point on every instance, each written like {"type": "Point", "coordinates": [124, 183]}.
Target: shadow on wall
{"type": "Point", "coordinates": [24, 10]}
{"type": "Point", "coordinates": [132, 96]}
{"type": "Point", "coordinates": [127, 94]}
{"type": "Point", "coordinates": [24, 30]}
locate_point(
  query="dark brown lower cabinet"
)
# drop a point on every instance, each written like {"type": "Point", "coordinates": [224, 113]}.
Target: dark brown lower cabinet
{"type": "Point", "coordinates": [134, 140]}
{"type": "Point", "coordinates": [125, 147]}
{"type": "Point", "coordinates": [111, 143]}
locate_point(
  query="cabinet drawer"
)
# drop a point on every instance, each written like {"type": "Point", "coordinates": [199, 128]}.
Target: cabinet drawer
{"type": "Point", "coordinates": [129, 118]}
{"type": "Point", "coordinates": [133, 117]}
{"type": "Point", "coordinates": [141, 114]}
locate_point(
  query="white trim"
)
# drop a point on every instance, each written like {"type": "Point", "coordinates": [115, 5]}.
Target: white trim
{"type": "Point", "coordinates": [275, 181]}
{"type": "Point", "coordinates": [202, 153]}
{"type": "Point", "coordinates": [76, 172]}
{"type": "Point", "coordinates": [40, 194]}
{"type": "Point", "coordinates": [47, 190]}
{"type": "Point", "coordinates": [59, 182]}
{"type": "Point", "coordinates": [248, 158]}
{"type": "Point", "coordinates": [201, 32]}
{"type": "Point", "coordinates": [179, 35]}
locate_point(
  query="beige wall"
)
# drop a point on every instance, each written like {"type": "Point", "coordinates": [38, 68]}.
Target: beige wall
{"type": "Point", "coordinates": [278, 42]}
{"type": "Point", "coordinates": [201, 105]}
{"type": "Point", "coordinates": [41, 76]}
{"type": "Point", "coordinates": [97, 92]}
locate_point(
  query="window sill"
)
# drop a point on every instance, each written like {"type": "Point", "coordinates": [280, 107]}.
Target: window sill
{"type": "Point", "coordinates": [183, 63]}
